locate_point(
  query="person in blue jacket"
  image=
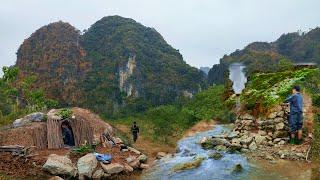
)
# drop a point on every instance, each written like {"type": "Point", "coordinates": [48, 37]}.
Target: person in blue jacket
{"type": "Point", "coordinates": [296, 115]}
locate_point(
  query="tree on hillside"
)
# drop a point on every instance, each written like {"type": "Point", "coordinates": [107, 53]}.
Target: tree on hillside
{"type": "Point", "coordinates": [19, 97]}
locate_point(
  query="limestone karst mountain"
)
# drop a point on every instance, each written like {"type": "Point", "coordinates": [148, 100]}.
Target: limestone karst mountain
{"type": "Point", "coordinates": [116, 63]}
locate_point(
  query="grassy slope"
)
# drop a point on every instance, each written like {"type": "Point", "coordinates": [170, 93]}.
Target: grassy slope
{"type": "Point", "coordinates": [264, 90]}
{"type": "Point", "coordinates": [167, 124]}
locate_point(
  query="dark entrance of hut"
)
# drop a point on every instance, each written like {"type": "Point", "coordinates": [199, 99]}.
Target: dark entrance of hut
{"type": "Point", "coordinates": [67, 134]}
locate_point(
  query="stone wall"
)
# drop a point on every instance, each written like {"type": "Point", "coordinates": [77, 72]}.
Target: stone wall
{"type": "Point", "coordinates": [265, 138]}
{"type": "Point", "coordinates": [250, 133]}
{"type": "Point", "coordinates": [271, 130]}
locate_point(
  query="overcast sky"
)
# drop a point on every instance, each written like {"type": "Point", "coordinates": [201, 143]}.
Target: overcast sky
{"type": "Point", "coordinates": [203, 30]}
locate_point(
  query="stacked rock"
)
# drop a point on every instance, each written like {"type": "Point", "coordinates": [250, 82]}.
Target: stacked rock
{"type": "Point", "coordinates": [250, 132]}
{"type": "Point", "coordinates": [269, 131]}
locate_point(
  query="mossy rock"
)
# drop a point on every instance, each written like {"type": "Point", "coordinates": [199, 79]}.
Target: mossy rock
{"type": "Point", "coordinates": [237, 168]}
{"type": "Point", "coordinates": [207, 145]}
{"type": "Point", "coordinates": [221, 148]}
{"type": "Point", "coordinates": [215, 156]}
{"type": "Point", "coordinates": [233, 149]}
{"type": "Point", "coordinates": [196, 162]}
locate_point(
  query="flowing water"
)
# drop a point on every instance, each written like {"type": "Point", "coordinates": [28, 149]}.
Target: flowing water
{"type": "Point", "coordinates": [222, 169]}
{"type": "Point", "coordinates": [211, 169]}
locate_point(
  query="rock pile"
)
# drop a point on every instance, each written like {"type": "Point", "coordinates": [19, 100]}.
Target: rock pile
{"type": "Point", "coordinates": [250, 134]}
{"type": "Point", "coordinates": [87, 167]}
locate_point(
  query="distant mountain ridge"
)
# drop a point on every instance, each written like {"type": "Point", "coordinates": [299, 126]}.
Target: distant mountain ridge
{"type": "Point", "coordinates": [205, 70]}
{"type": "Point", "coordinates": [263, 57]}
{"type": "Point", "coordinates": [117, 65]}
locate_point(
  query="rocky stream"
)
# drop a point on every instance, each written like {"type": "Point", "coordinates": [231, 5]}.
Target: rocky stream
{"type": "Point", "coordinates": [222, 164]}
{"type": "Point", "coordinates": [250, 148]}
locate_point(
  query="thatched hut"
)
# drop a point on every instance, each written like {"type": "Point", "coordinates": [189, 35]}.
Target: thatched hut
{"type": "Point", "coordinates": [86, 127]}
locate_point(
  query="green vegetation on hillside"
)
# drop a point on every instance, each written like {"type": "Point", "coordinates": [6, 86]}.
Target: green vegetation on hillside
{"type": "Point", "coordinates": [171, 121]}
{"type": "Point", "coordinates": [18, 98]}
{"type": "Point", "coordinates": [265, 57]}
{"type": "Point", "coordinates": [86, 70]}
{"type": "Point", "coordinates": [54, 56]}
{"type": "Point", "coordinates": [312, 86]}
{"type": "Point", "coordinates": [160, 75]}
{"type": "Point", "coordinates": [264, 90]}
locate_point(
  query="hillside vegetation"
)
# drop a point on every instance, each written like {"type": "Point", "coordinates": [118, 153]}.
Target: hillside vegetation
{"type": "Point", "coordinates": [168, 123]}
{"type": "Point", "coordinates": [117, 67]}
{"type": "Point", "coordinates": [264, 90]}
{"type": "Point", "coordinates": [20, 98]}
{"type": "Point", "coordinates": [265, 57]}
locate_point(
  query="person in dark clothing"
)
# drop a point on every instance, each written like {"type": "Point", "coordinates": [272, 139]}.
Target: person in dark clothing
{"type": "Point", "coordinates": [67, 135]}
{"type": "Point", "coordinates": [135, 131]}
{"type": "Point", "coordinates": [296, 115]}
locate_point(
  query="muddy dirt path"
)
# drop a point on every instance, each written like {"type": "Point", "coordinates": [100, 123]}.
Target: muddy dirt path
{"type": "Point", "coordinates": [151, 149]}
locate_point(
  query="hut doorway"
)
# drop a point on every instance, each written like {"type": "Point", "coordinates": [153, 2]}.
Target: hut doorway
{"type": "Point", "coordinates": [67, 134]}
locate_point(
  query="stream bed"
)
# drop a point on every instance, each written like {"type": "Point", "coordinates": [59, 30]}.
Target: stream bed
{"type": "Point", "coordinates": [189, 148]}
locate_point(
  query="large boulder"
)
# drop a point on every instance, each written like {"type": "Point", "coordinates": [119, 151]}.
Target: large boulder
{"type": "Point", "coordinates": [86, 165]}
{"type": "Point", "coordinates": [34, 117]}
{"type": "Point", "coordinates": [113, 168]}
{"type": "Point", "coordinates": [60, 165]}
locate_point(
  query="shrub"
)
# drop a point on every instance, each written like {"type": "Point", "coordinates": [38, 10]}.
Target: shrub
{"type": "Point", "coordinates": [65, 113]}
{"type": "Point", "coordinates": [209, 104]}
{"type": "Point", "coordinates": [163, 119]}
{"type": "Point", "coordinates": [316, 100]}
{"type": "Point", "coordinates": [268, 89]}
{"type": "Point", "coordinates": [86, 148]}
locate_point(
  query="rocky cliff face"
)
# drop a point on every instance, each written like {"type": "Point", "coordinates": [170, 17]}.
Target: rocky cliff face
{"type": "Point", "coordinates": [124, 78]}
